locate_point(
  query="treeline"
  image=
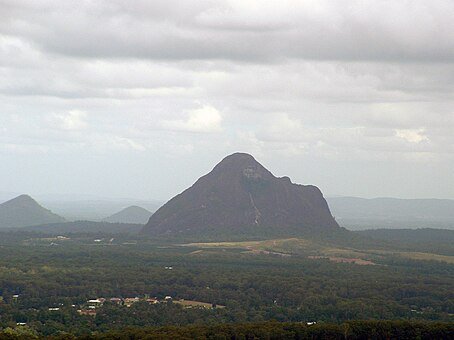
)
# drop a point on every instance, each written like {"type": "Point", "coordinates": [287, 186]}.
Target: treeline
{"type": "Point", "coordinates": [353, 330]}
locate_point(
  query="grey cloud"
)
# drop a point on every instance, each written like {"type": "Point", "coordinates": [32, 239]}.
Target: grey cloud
{"type": "Point", "coordinates": [232, 30]}
{"type": "Point", "coordinates": [318, 89]}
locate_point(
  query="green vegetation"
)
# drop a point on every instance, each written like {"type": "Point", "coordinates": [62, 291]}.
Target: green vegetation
{"type": "Point", "coordinates": [256, 281]}
{"type": "Point", "coordinates": [353, 330]}
{"type": "Point", "coordinates": [296, 246]}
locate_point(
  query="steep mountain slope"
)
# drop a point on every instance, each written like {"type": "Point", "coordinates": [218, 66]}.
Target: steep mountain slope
{"type": "Point", "coordinates": [132, 214]}
{"type": "Point", "coordinates": [240, 196]}
{"type": "Point", "coordinates": [25, 211]}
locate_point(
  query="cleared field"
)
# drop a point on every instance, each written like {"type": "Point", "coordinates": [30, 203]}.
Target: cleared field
{"type": "Point", "coordinates": [358, 261]}
{"type": "Point", "coordinates": [285, 246]}
{"type": "Point", "coordinates": [296, 246]}
{"type": "Point", "coordinates": [196, 304]}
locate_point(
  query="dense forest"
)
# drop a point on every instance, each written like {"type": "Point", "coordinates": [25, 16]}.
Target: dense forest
{"type": "Point", "coordinates": [46, 283]}
{"type": "Point", "coordinates": [352, 330]}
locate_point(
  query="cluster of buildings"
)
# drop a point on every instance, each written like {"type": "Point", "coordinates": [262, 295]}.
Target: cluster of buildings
{"type": "Point", "coordinates": [92, 305]}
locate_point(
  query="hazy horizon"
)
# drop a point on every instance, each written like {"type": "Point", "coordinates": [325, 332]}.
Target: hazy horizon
{"type": "Point", "coordinates": [73, 197]}
{"type": "Point", "coordinates": [138, 100]}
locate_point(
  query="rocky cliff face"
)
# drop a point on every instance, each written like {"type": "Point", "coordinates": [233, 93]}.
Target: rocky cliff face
{"type": "Point", "coordinates": [240, 195]}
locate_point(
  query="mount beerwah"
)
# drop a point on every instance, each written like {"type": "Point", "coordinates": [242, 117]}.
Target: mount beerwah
{"type": "Point", "coordinates": [239, 196]}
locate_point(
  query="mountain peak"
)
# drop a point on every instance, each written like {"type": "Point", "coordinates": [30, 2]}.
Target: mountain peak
{"type": "Point", "coordinates": [24, 211]}
{"type": "Point", "coordinates": [131, 214]}
{"type": "Point", "coordinates": [241, 165]}
{"type": "Point", "coordinates": [23, 199]}
{"type": "Point", "coordinates": [239, 156]}
{"type": "Point", "coordinates": [240, 195]}
{"type": "Point", "coordinates": [24, 196]}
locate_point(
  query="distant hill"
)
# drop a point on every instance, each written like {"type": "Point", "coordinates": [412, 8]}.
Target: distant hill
{"type": "Point", "coordinates": [426, 240]}
{"type": "Point", "coordinates": [94, 209]}
{"type": "Point", "coordinates": [239, 196]}
{"type": "Point", "coordinates": [425, 235]}
{"type": "Point", "coordinates": [359, 213]}
{"type": "Point", "coordinates": [85, 227]}
{"type": "Point", "coordinates": [25, 211]}
{"type": "Point", "coordinates": [132, 214]}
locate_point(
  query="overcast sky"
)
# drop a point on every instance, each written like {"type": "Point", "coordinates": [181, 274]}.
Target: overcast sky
{"type": "Point", "coordinates": [140, 98]}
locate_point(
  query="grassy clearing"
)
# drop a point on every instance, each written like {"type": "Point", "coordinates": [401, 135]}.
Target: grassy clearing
{"type": "Point", "coordinates": [196, 304]}
{"type": "Point", "coordinates": [288, 246]}
{"type": "Point", "coordinates": [296, 246]}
